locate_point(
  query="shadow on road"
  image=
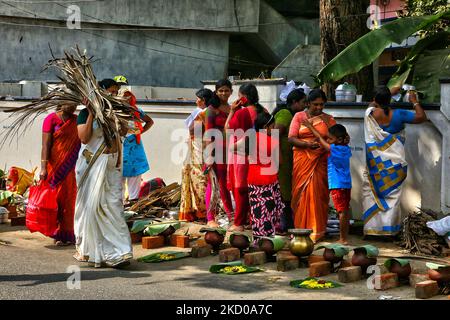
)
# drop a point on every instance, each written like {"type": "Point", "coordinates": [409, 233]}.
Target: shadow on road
{"type": "Point", "coordinates": [38, 279]}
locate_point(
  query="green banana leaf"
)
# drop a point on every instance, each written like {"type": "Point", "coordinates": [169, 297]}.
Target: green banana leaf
{"type": "Point", "coordinates": [221, 231]}
{"type": "Point", "coordinates": [140, 225]}
{"type": "Point", "coordinates": [436, 266]}
{"type": "Point", "coordinates": [216, 268]}
{"type": "Point", "coordinates": [278, 242]}
{"type": "Point", "coordinates": [156, 257]}
{"type": "Point", "coordinates": [157, 228]}
{"type": "Point", "coordinates": [298, 284]}
{"type": "Point", "coordinates": [5, 197]}
{"type": "Point", "coordinates": [435, 41]}
{"type": "Point", "coordinates": [429, 68]}
{"type": "Point", "coordinates": [369, 47]}
{"type": "Point", "coordinates": [371, 251]}
{"type": "Point", "coordinates": [339, 249]}
{"type": "Point", "coordinates": [403, 262]}
{"type": "Point", "coordinates": [249, 237]}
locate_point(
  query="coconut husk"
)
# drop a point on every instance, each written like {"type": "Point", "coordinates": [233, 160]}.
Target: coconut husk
{"type": "Point", "coordinates": [417, 238]}
{"type": "Point", "coordinates": [159, 200]}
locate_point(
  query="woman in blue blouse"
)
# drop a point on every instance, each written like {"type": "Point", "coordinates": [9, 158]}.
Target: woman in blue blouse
{"type": "Point", "coordinates": [386, 162]}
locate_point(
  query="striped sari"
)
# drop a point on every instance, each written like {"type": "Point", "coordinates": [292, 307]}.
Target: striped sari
{"type": "Point", "coordinates": [383, 178]}
{"type": "Point", "coordinates": [310, 195]}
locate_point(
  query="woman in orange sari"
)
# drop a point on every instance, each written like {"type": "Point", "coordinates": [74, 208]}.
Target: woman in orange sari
{"type": "Point", "coordinates": [60, 147]}
{"type": "Point", "coordinates": [310, 195]}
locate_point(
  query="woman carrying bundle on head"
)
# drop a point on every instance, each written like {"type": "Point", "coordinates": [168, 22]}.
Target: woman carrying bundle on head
{"type": "Point", "coordinates": [242, 117]}
{"type": "Point", "coordinates": [194, 181]}
{"type": "Point", "coordinates": [60, 147]}
{"type": "Point", "coordinates": [102, 235]}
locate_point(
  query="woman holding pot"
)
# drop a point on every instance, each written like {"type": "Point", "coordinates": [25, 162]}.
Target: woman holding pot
{"type": "Point", "coordinates": [386, 162]}
{"type": "Point", "coordinates": [310, 195]}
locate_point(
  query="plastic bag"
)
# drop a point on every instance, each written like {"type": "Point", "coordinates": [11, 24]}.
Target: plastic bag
{"type": "Point", "coordinates": [42, 210]}
{"type": "Point", "coordinates": [441, 227]}
{"type": "Point", "coordinates": [290, 86]}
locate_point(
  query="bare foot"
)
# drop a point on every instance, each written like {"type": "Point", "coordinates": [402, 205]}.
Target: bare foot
{"type": "Point", "coordinates": [236, 228]}
{"type": "Point", "coordinates": [212, 224]}
{"type": "Point", "coordinates": [343, 241]}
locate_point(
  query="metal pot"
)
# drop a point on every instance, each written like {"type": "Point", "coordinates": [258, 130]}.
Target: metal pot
{"type": "Point", "coordinates": [345, 93]}
{"type": "Point", "coordinates": [301, 245]}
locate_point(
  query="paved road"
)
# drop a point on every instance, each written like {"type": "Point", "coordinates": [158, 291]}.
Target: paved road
{"type": "Point", "coordinates": [31, 267]}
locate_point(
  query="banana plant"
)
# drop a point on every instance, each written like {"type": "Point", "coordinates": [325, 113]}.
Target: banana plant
{"type": "Point", "coordinates": [424, 65]}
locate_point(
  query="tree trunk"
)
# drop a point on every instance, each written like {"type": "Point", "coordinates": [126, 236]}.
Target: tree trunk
{"type": "Point", "coordinates": [341, 23]}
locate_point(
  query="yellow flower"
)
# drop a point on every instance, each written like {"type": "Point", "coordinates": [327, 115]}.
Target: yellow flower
{"type": "Point", "coordinates": [233, 269]}
{"type": "Point", "coordinates": [164, 256]}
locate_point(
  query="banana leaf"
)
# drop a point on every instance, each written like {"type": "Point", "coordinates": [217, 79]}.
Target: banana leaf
{"type": "Point", "coordinates": [371, 251]}
{"type": "Point", "coordinates": [140, 225]}
{"type": "Point", "coordinates": [221, 231]}
{"type": "Point", "coordinates": [298, 284]}
{"type": "Point", "coordinates": [436, 41]}
{"type": "Point", "coordinates": [157, 228]}
{"type": "Point", "coordinates": [216, 268]}
{"type": "Point", "coordinates": [339, 249]}
{"type": "Point", "coordinates": [5, 197]}
{"type": "Point", "coordinates": [369, 47]}
{"type": "Point", "coordinates": [403, 262]}
{"type": "Point", "coordinates": [436, 266]}
{"type": "Point", "coordinates": [429, 68]}
{"type": "Point", "coordinates": [156, 257]}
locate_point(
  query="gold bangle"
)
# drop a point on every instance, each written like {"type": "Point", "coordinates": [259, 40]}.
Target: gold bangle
{"type": "Point", "coordinates": [44, 160]}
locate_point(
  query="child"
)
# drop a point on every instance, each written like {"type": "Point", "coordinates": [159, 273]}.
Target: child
{"type": "Point", "coordinates": [266, 205]}
{"type": "Point", "coordinates": [339, 178]}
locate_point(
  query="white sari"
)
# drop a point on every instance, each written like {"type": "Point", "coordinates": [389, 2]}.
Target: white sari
{"type": "Point", "coordinates": [102, 235]}
{"type": "Point", "coordinates": [386, 170]}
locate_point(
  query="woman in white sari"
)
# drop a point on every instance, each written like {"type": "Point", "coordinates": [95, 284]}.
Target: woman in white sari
{"type": "Point", "coordinates": [102, 235]}
{"type": "Point", "coordinates": [386, 168]}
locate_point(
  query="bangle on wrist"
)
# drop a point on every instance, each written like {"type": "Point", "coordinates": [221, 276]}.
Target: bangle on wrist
{"type": "Point", "coordinates": [44, 160]}
{"type": "Point", "coordinates": [416, 103]}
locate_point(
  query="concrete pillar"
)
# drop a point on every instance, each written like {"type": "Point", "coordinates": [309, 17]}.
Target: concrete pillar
{"type": "Point", "coordinates": [445, 130]}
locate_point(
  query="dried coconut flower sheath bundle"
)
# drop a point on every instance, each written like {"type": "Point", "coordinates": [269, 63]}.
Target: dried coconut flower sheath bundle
{"type": "Point", "coordinates": [78, 86]}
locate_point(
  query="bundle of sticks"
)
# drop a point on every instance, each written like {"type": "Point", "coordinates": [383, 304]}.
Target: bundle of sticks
{"type": "Point", "coordinates": [78, 86]}
{"type": "Point", "coordinates": [417, 237]}
{"type": "Point", "coordinates": [159, 199]}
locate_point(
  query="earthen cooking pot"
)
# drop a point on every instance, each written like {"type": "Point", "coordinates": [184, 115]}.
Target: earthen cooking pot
{"type": "Point", "coordinates": [214, 238]}
{"type": "Point", "coordinates": [440, 275]}
{"type": "Point", "coordinates": [239, 241]}
{"type": "Point", "coordinates": [169, 231]}
{"type": "Point", "coordinates": [401, 271]}
{"type": "Point", "coordinates": [330, 255]}
{"type": "Point", "coordinates": [361, 259]}
{"type": "Point", "coordinates": [267, 246]}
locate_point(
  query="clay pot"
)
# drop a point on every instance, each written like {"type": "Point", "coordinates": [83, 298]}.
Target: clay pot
{"type": "Point", "coordinates": [301, 245]}
{"type": "Point", "coordinates": [214, 238]}
{"type": "Point", "coordinates": [267, 246]}
{"type": "Point", "coordinates": [402, 272]}
{"type": "Point", "coordinates": [329, 255]}
{"type": "Point", "coordinates": [239, 241]}
{"type": "Point", "coordinates": [169, 231]}
{"type": "Point", "coordinates": [361, 259]}
{"type": "Point", "coordinates": [440, 275]}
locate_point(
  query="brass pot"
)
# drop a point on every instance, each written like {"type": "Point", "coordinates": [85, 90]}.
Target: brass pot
{"type": "Point", "coordinates": [301, 245]}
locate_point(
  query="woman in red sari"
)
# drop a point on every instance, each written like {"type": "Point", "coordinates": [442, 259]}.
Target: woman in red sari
{"type": "Point", "coordinates": [310, 195]}
{"type": "Point", "coordinates": [242, 117]}
{"type": "Point", "coordinates": [60, 147]}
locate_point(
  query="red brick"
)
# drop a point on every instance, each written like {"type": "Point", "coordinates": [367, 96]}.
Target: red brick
{"type": "Point", "coordinates": [254, 258]}
{"type": "Point", "coordinates": [230, 254]}
{"type": "Point", "coordinates": [286, 262]}
{"type": "Point", "coordinates": [201, 251]}
{"type": "Point", "coordinates": [180, 241]}
{"type": "Point", "coordinates": [136, 237]}
{"type": "Point", "coordinates": [350, 274]}
{"type": "Point", "coordinates": [319, 269]}
{"type": "Point", "coordinates": [315, 258]}
{"type": "Point", "coordinates": [18, 221]}
{"type": "Point", "coordinates": [153, 242]}
{"type": "Point", "coordinates": [415, 278]}
{"type": "Point", "coordinates": [386, 281]}
{"type": "Point", "coordinates": [426, 289]}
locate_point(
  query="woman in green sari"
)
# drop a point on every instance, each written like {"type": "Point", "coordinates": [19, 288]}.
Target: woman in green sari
{"type": "Point", "coordinates": [295, 102]}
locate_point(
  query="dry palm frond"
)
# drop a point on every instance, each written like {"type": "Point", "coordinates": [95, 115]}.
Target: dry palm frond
{"type": "Point", "coordinates": [161, 198]}
{"type": "Point", "coordinates": [79, 86]}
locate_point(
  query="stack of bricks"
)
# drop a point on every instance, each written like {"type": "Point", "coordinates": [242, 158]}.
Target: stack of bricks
{"type": "Point", "coordinates": [230, 254]}
{"type": "Point", "coordinates": [201, 250]}
{"type": "Point", "coordinates": [320, 269]}
{"type": "Point", "coordinates": [287, 261]}
{"type": "Point", "coordinates": [180, 241]}
{"type": "Point", "coordinates": [255, 258]}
